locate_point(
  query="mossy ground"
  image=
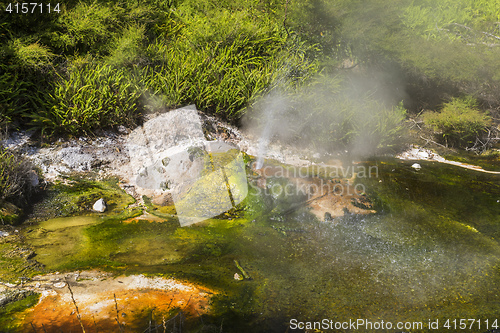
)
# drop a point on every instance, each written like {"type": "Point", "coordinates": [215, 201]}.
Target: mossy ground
{"type": "Point", "coordinates": [8, 313]}
{"type": "Point", "coordinates": [16, 260]}
{"type": "Point", "coordinates": [77, 194]}
{"type": "Point", "coordinates": [489, 160]}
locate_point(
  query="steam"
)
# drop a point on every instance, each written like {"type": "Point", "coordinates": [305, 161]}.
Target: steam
{"type": "Point", "coordinates": [275, 105]}
{"type": "Point", "coordinates": [353, 117]}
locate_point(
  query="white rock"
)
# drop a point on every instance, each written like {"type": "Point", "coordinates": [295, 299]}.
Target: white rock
{"type": "Point", "coordinates": [423, 154]}
{"type": "Point", "coordinates": [3, 233]}
{"type": "Point", "coordinates": [60, 285]}
{"type": "Point", "coordinates": [99, 206]}
{"type": "Point", "coordinates": [416, 166]}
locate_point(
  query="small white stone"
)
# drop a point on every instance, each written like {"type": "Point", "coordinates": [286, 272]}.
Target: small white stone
{"type": "Point", "coordinates": [416, 166]}
{"type": "Point", "coordinates": [60, 285]}
{"type": "Point", "coordinates": [99, 206]}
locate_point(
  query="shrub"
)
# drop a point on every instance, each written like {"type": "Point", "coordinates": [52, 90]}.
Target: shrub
{"type": "Point", "coordinates": [459, 122]}
{"type": "Point", "coordinates": [12, 98]}
{"type": "Point", "coordinates": [16, 175]}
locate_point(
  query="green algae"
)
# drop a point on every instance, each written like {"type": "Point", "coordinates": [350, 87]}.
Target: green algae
{"type": "Point", "coordinates": [9, 322]}
{"type": "Point", "coordinates": [9, 213]}
{"type": "Point", "coordinates": [15, 261]}
{"type": "Point", "coordinates": [76, 196]}
{"type": "Point", "coordinates": [61, 241]}
{"type": "Point", "coordinates": [489, 160]}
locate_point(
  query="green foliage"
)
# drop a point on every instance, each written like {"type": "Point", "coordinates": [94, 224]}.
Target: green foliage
{"type": "Point", "coordinates": [88, 26]}
{"type": "Point", "coordinates": [221, 78]}
{"type": "Point", "coordinates": [126, 49]}
{"type": "Point", "coordinates": [33, 55]}
{"type": "Point", "coordinates": [449, 42]}
{"type": "Point", "coordinates": [116, 59]}
{"type": "Point", "coordinates": [8, 319]}
{"type": "Point", "coordinates": [91, 96]}
{"type": "Point", "coordinates": [459, 122]}
{"type": "Point", "coordinates": [12, 102]}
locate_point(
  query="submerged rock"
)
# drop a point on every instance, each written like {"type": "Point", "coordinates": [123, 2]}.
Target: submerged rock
{"type": "Point", "coordinates": [99, 206]}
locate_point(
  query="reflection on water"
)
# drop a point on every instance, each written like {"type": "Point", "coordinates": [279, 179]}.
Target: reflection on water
{"type": "Point", "coordinates": [431, 252]}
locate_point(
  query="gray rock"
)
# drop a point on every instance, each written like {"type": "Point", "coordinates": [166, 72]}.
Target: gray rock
{"type": "Point", "coordinates": [99, 206]}
{"type": "Point", "coordinates": [33, 177]}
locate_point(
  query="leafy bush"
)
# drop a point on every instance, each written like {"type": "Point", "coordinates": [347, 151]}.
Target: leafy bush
{"type": "Point", "coordinates": [30, 56]}
{"type": "Point", "coordinates": [22, 65]}
{"type": "Point", "coordinates": [459, 122]}
{"type": "Point", "coordinates": [12, 98]}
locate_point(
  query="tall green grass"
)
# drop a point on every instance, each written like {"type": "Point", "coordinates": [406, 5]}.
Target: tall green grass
{"type": "Point", "coordinates": [89, 97]}
{"type": "Point", "coordinates": [222, 79]}
{"type": "Point", "coordinates": [13, 103]}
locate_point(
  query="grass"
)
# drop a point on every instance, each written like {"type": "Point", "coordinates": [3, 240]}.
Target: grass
{"type": "Point", "coordinates": [90, 97]}
{"type": "Point", "coordinates": [119, 60]}
{"type": "Point", "coordinates": [102, 64]}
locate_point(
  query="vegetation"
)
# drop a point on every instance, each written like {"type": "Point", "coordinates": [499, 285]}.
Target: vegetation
{"type": "Point", "coordinates": [8, 313]}
{"type": "Point", "coordinates": [459, 122]}
{"type": "Point", "coordinates": [17, 184]}
{"type": "Point", "coordinates": [102, 64]}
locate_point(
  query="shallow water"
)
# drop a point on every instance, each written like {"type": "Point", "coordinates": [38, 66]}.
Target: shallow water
{"type": "Point", "coordinates": [431, 252]}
